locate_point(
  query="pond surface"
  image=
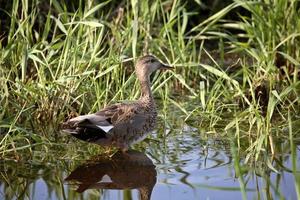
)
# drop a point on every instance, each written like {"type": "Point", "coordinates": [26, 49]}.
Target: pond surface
{"type": "Point", "coordinates": [177, 164]}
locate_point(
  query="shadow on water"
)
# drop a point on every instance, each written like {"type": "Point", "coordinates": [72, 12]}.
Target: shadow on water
{"type": "Point", "coordinates": [133, 170]}
{"type": "Point", "coordinates": [179, 164]}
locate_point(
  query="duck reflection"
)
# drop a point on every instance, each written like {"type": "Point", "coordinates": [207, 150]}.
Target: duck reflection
{"type": "Point", "coordinates": [133, 170]}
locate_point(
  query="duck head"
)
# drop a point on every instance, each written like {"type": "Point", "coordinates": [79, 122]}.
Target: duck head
{"type": "Point", "coordinates": [146, 65]}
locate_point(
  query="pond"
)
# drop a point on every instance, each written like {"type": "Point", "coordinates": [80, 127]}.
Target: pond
{"type": "Point", "coordinates": [178, 163]}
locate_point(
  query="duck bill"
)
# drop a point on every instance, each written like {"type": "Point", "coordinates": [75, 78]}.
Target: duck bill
{"type": "Point", "coordinates": [166, 67]}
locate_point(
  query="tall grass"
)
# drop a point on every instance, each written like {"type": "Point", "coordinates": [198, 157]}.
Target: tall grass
{"type": "Point", "coordinates": [59, 60]}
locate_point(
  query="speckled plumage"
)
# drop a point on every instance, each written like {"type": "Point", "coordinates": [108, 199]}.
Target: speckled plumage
{"type": "Point", "coordinates": [121, 125]}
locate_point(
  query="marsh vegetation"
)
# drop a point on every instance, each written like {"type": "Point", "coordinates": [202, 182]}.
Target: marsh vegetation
{"type": "Point", "coordinates": [233, 97]}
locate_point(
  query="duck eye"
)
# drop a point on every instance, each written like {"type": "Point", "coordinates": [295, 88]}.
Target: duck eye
{"type": "Point", "coordinates": [152, 60]}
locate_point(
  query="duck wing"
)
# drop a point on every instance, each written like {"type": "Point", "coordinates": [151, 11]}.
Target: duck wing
{"type": "Point", "coordinates": [92, 127]}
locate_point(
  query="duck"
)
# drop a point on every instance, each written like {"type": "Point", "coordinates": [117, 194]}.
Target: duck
{"type": "Point", "coordinates": [123, 124]}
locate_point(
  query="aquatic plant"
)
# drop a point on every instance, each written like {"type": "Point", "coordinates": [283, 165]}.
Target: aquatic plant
{"type": "Point", "coordinates": [239, 74]}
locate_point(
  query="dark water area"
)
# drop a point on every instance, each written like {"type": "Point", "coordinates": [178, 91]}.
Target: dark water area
{"type": "Point", "coordinates": [173, 165]}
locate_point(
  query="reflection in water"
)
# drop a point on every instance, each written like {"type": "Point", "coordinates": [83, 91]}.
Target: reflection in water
{"type": "Point", "coordinates": [133, 170]}
{"type": "Point", "coordinates": [189, 166]}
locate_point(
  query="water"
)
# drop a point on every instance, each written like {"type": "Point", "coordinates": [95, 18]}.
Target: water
{"type": "Point", "coordinates": [177, 164]}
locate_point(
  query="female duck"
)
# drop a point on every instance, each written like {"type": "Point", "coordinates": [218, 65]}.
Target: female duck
{"type": "Point", "coordinates": [121, 125]}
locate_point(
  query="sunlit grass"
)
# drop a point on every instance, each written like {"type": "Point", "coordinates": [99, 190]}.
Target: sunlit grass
{"type": "Point", "coordinates": [78, 60]}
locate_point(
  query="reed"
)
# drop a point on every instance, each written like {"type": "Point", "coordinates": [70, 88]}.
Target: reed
{"type": "Point", "coordinates": [58, 60]}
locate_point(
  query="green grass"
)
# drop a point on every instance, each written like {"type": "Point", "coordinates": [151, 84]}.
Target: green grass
{"type": "Point", "coordinates": [74, 59]}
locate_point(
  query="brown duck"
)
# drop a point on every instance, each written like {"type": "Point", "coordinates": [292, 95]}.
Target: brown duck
{"type": "Point", "coordinates": [121, 125]}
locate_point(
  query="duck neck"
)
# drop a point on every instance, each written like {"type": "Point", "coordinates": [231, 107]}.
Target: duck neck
{"type": "Point", "coordinates": [146, 94]}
